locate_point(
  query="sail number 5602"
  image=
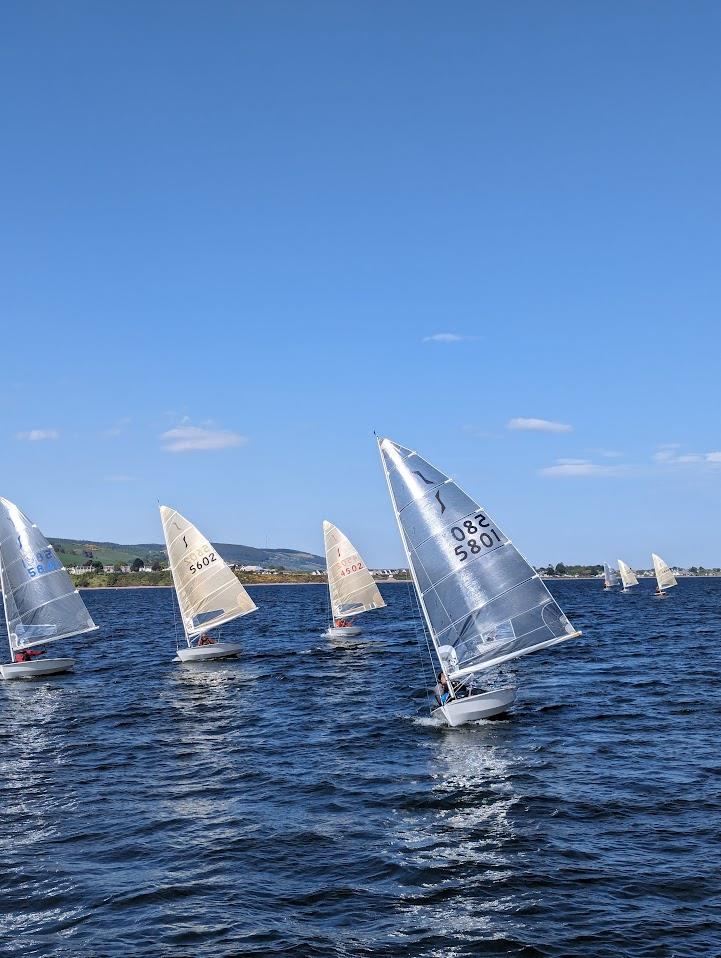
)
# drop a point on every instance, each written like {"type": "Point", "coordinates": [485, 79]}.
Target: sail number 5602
{"type": "Point", "coordinates": [475, 534]}
{"type": "Point", "coordinates": [201, 562]}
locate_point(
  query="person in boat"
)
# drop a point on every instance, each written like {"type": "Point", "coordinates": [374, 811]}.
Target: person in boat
{"type": "Point", "coordinates": [27, 655]}
{"type": "Point", "coordinates": [205, 639]}
{"type": "Point", "coordinates": [342, 623]}
{"type": "Point", "coordinates": [659, 591]}
{"type": "Point", "coordinates": [441, 691]}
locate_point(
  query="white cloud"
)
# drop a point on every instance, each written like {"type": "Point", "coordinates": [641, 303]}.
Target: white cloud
{"type": "Point", "coordinates": [572, 468]}
{"type": "Point", "coordinates": [38, 435]}
{"type": "Point", "coordinates": [538, 425]}
{"type": "Point", "coordinates": [187, 438]}
{"type": "Point", "coordinates": [668, 455]}
{"type": "Point", "coordinates": [444, 338]}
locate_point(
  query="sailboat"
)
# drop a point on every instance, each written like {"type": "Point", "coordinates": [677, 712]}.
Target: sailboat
{"type": "Point", "coordinates": [664, 577]}
{"type": "Point", "coordinates": [40, 601]}
{"type": "Point", "coordinates": [483, 604]}
{"type": "Point", "coordinates": [628, 576]}
{"type": "Point", "coordinates": [352, 588]}
{"type": "Point", "coordinates": [610, 576]}
{"type": "Point", "coordinates": [209, 593]}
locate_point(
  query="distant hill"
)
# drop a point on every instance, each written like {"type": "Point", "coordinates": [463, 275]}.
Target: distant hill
{"type": "Point", "coordinates": [78, 551]}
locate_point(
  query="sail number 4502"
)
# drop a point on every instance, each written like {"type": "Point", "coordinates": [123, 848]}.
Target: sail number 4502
{"type": "Point", "coordinates": [475, 534]}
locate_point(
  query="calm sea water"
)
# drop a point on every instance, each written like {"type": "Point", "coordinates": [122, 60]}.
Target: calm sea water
{"type": "Point", "coordinates": [299, 801]}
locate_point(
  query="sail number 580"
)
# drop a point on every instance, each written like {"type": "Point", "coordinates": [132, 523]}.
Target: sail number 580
{"type": "Point", "coordinates": [471, 532]}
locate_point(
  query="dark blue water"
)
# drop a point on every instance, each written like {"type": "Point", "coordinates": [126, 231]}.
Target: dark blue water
{"type": "Point", "coordinates": [300, 802]}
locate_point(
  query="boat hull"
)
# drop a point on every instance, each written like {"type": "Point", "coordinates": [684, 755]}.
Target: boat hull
{"type": "Point", "coordinates": [207, 653]}
{"type": "Point", "coordinates": [474, 707]}
{"type": "Point", "coordinates": [346, 632]}
{"type": "Point", "coordinates": [37, 669]}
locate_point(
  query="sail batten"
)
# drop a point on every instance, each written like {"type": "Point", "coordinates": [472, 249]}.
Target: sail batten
{"type": "Point", "coordinates": [482, 601]}
{"type": "Point", "coordinates": [209, 593]}
{"type": "Point", "coordinates": [41, 603]}
{"type": "Point", "coordinates": [352, 588]}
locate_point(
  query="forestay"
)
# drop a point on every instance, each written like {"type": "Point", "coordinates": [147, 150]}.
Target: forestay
{"type": "Point", "coordinates": [483, 603]}
{"type": "Point", "coordinates": [209, 593]}
{"type": "Point", "coordinates": [610, 576]}
{"type": "Point", "coordinates": [665, 578]}
{"type": "Point", "coordinates": [628, 576]}
{"type": "Point", "coordinates": [352, 588]}
{"type": "Point", "coordinates": [41, 603]}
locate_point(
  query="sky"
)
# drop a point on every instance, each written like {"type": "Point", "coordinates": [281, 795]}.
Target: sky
{"type": "Point", "coordinates": [238, 237]}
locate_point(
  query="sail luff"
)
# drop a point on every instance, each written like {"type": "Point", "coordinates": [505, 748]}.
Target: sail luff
{"type": "Point", "coordinates": [5, 607]}
{"type": "Point", "coordinates": [396, 511]}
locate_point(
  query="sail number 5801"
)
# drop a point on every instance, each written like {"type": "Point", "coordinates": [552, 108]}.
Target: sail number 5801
{"type": "Point", "coordinates": [471, 532]}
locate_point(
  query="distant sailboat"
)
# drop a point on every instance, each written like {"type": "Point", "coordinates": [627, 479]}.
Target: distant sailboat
{"type": "Point", "coordinates": [482, 602]}
{"type": "Point", "coordinates": [352, 588]}
{"type": "Point", "coordinates": [664, 577]}
{"type": "Point", "coordinates": [628, 576]}
{"type": "Point", "coordinates": [40, 601]}
{"type": "Point", "coordinates": [610, 576]}
{"type": "Point", "coordinates": [209, 593]}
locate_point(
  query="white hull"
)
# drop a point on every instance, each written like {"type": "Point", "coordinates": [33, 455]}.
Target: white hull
{"type": "Point", "coordinates": [346, 632]}
{"type": "Point", "coordinates": [659, 595]}
{"type": "Point", "coordinates": [36, 669]}
{"type": "Point", "coordinates": [206, 653]}
{"type": "Point", "coordinates": [474, 707]}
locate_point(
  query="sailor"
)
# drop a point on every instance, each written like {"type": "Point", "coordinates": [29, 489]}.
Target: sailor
{"type": "Point", "coordinates": [441, 691]}
{"type": "Point", "coordinates": [342, 624]}
{"type": "Point", "coordinates": [27, 655]}
{"type": "Point", "coordinates": [205, 639]}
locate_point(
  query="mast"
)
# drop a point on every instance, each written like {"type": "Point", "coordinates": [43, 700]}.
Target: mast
{"type": "Point", "coordinates": [412, 571]}
{"type": "Point", "coordinates": [5, 609]}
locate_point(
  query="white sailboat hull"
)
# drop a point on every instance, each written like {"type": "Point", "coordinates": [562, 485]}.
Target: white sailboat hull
{"type": "Point", "coordinates": [206, 653]}
{"type": "Point", "coordinates": [346, 632]}
{"type": "Point", "coordinates": [36, 669]}
{"type": "Point", "coordinates": [474, 707]}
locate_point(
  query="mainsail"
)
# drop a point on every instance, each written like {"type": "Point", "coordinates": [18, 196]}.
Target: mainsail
{"type": "Point", "coordinates": [209, 593]}
{"type": "Point", "coordinates": [483, 603]}
{"type": "Point", "coordinates": [352, 588]}
{"type": "Point", "coordinates": [665, 578]}
{"type": "Point", "coordinates": [41, 603]}
{"type": "Point", "coordinates": [610, 576]}
{"type": "Point", "coordinates": [628, 576]}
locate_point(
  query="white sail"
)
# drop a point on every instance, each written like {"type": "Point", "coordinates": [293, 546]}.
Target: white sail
{"type": "Point", "coordinates": [483, 603]}
{"type": "Point", "coordinates": [665, 578]}
{"type": "Point", "coordinates": [628, 576]}
{"type": "Point", "coordinates": [209, 593]}
{"type": "Point", "coordinates": [352, 588]}
{"type": "Point", "coordinates": [41, 603]}
{"type": "Point", "coordinates": [610, 576]}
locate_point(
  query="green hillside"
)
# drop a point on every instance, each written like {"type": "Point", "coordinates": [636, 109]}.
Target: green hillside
{"type": "Point", "coordinates": [76, 552]}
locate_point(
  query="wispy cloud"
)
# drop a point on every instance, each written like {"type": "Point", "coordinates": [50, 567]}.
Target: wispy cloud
{"type": "Point", "coordinates": [117, 429]}
{"type": "Point", "coordinates": [38, 435]}
{"type": "Point", "coordinates": [538, 425]}
{"type": "Point", "coordinates": [188, 438]}
{"type": "Point", "coordinates": [583, 468]}
{"type": "Point", "coordinates": [669, 454]}
{"type": "Point", "coordinates": [444, 338]}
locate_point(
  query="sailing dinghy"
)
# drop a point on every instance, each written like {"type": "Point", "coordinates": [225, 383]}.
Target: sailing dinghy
{"type": "Point", "coordinates": [352, 588]}
{"type": "Point", "coordinates": [628, 576]}
{"type": "Point", "coordinates": [40, 601]}
{"type": "Point", "coordinates": [482, 602]}
{"type": "Point", "coordinates": [664, 577]}
{"type": "Point", "coordinates": [209, 593]}
{"type": "Point", "coordinates": [610, 576]}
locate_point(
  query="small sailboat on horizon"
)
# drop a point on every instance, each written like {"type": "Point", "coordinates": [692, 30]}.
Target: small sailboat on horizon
{"type": "Point", "coordinates": [665, 579]}
{"type": "Point", "coordinates": [483, 604]}
{"type": "Point", "coordinates": [352, 588]}
{"type": "Point", "coordinates": [41, 603]}
{"type": "Point", "coordinates": [610, 576]}
{"type": "Point", "coordinates": [628, 576]}
{"type": "Point", "coordinates": [208, 591]}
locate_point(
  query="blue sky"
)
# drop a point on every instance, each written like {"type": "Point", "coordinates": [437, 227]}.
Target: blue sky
{"type": "Point", "coordinates": [238, 237]}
